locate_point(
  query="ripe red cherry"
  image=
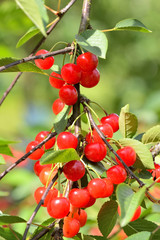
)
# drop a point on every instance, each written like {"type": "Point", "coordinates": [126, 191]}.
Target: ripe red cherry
{"type": "Point", "coordinates": [71, 73]}
{"type": "Point", "coordinates": [58, 106]}
{"type": "Point", "coordinates": [87, 61]}
{"type": "Point", "coordinates": [117, 174]}
{"type": "Point", "coordinates": [127, 154]}
{"type": "Point", "coordinates": [56, 80]}
{"type": "Point", "coordinates": [58, 207]}
{"type": "Point", "coordinates": [38, 167]}
{"type": "Point", "coordinates": [109, 187]}
{"type": "Point", "coordinates": [36, 154]}
{"type": "Point", "coordinates": [95, 152]}
{"type": "Point", "coordinates": [74, 170]}
{"type": "Point", "coordinates": [107, 131]}
{"type": "Point", "coordinates": [46, 175]}
{"type": "Point", "coordinates": [39, 193]}
{"type": "Point", "coordinates": [156, 172]}
{"type": "Point", "coordinates": [44, 63]}
{"type": "Point", "coordinates": [71, 227]}
{"type": "Point", "coordinates": [42, 135]}
{"type": "Point", "coordinates": [79, 197]}
{"type": "Point", "coordinates": [68, 94]}
{"type": "Point", "coordinates": [90, 79]}
{"type": "Point", "coordinates": [67, 140]}
{"type": "Point", "coordinates": [96, 187]}
{"type": "Point", "coordinates": [136, 214]}
{"type": "Point", "coordinates": [113, 120]}
{"type": "Point", "coordinates": [81, 216]}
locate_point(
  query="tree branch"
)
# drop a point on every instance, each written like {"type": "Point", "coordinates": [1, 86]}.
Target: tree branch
{"type": "Point", "coordinates": [85, 15]}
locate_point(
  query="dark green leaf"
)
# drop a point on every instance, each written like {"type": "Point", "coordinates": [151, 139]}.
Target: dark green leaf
{"type": "Point", "coordinates": [107, 217]}
{"type": "Point", "coordinates": [39, 229]}
{"type": "Point", "coordinates": [63, 156]}
{"type": "Point", "coordinates": [4, 149]}
{"type": "Point", "coordinates": [8, 219]}
{"type": "Point", "coordinates": [93, 41]}
{"type": "Point", "coordinates": [23, 67]}
{"type": "Point", "coordinates": [128, 123]}
{"type": "Point", "coordinates": [27, 36]}
{"type": "Point", "coordinates": [145, 174]}
{"type": "Point", "coordinates": [2, 161]}
{"type": "Point", "coordinates": [131, 25]}
{"type": "Point", "coordinates": [156, 235]}
{"type": "Point", "coordinates": [152, 135]}
{"type": "Point", "coordinates": [144, 159]}
{"type": "Point", "coordinates": [98, 166]}
{"type": "Point", "coordinates": [83, 117]}
{"type": "Point", "coordinates": [8, 234]}
{"type": "Point", "coordinates": [128, 201]}
{"type": "Point", "coordinates": [36, 11]}
{"type": "Point", "coordinates": [140, 236]}
{"type": "Point", "coordinates": [60, 121]}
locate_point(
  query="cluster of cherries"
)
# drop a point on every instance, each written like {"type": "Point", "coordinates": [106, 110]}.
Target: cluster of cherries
{"type": "Point", "coordinates": [71, 208]}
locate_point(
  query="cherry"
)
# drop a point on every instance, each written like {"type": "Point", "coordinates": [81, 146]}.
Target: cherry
{"type": "Point", "coordinates": [127, 154]}
{"type": "Point", "coordinates": [95, 152]}
{"type": "Point", "coordinates": [136, 214]}
{"type": "Point", "coordinates": [36, 154]}
{"type": "Point", "coordinates": [58, 207]}
{"type": "Point", "coordinates": [109, 187]}
{"type": "Point", "coordinates": [79, 197]}
{"type": "Point", "coordinates": [113, 120]}
{"type": "Point", "coordinates": [106, 129]}
{"type": "Point", "coordinates": [67, 140]}
{"type": "Point", "coordinates": [71, 73]}
{"type": "Point", "coordinates": [56, 80]}
{"type": "Point", "coordinates": [90, 79]}
{"type": "Point", "coordinates": [91, 202]}
{"type": "Point", "coordinates": [87, 61]}
{"type": "Point", "coordinates": [74, 170]}
{"type": "Point", "coordinates": [68, 94]}
{"type": "Point", "coordinates": [58, 106]}
{"type": "Point", "coordinates": [42, 135]}
{"type": "Point", "coordinates": [117, 174]}
{"type": "Point", "coordinates": [44, 63]}
{"type": "Point", "coordinates": [71, 227]}
{"type": "Point", "coordinates": [156, 172]}
{"type": "Point", "coordinates": [38, 167]}
{"type": "Point", "coordinates": [39, 193]}
{"type": "Point", "coordinates": [99, 188]}
{"type": "Point", "coordinates": [46, 175]}
{"type": "Point", "coordinates": [81, 216]}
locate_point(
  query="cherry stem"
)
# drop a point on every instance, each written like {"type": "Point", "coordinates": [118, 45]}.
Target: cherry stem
{"type": "Point", "coordinates": [100, 107]}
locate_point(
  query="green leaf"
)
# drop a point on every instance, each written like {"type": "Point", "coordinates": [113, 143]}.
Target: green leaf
{"type": "Point", "coordinates": [131, 24]}
{"type": "Point", "coordinates": [8, 219]}
{"type": "Point", "coordinates": [2, 161]}
{"type": "Point", "coordinates": [144, 156]}
{"type": "Point", "coordinates": [23, 67]}
{"type": "Point", "coordinates": [6, 142]}
{"type": "Point", "coordinates": [153, 217]}
{"type": "Point", "coordinates": [128, 122]}
{"type": "Point", "coordinates": [36, 11]}
{"type": "Point", "coordinates": [39, 229]}
{"type": "Point", "coordinates": [60, 121]}
{"type": "Point", "coordinates": [107, 217]}
{"type": "Point", "coordinates": [128, 201]}
{"type": "Point", "coordinates": [4, 149]}
{"type": "Point", "coordinates": [152, 135]}
{"type": "Point", "coordinates": [140, 236]}
{"type": "Point", "coordinates": [97, 167]}
{"type": "Point", "coordinates": [27, 36]}
{"type": "Point", "coordinates": [8, 234]}
{"type": "Point", "coordinates": [3, 194]}
{"type": "Point", "coordinates": [138, 226]}
{"type": "Point", "coordinates": [63, 156]}
{"type": "Point", "coordinates": [93, 41]}
{"type": "Point", "coordinates": [83, 117]}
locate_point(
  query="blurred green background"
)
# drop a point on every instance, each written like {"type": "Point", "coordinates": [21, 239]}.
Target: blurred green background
{"type": "Point", "coordinates": [129, 74]}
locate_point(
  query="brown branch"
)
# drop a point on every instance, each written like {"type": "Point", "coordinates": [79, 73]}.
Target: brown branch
{"type": "Point", "coordinates": [85, 15]}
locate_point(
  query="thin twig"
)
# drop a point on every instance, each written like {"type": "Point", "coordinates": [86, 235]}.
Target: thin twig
{"type": "Point", "coordinates": [85, 15]}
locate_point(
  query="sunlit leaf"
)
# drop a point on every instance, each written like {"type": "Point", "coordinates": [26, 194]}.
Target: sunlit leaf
{"type": "Point", "coordinates": [152, 135]}
{"type": "Point", "coordinates": [27, 36]}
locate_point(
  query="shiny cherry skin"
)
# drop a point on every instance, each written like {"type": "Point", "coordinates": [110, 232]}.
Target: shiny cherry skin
{"type": "Point", "coordinates": [79, 197]}
{"type": "Point", "coordinates": [90, 79]}
{"type": "Point", "coordinates": [74, 170]}
{"type": "Point", "coordinates": [71, 227]}
{"type": "Point", "coordinates": [56, 80]}
{"type": "Point", "coordinates": [36, 154]}
{"type": "Point", "coordinates": [39, 193]}
{"type": "Point", "coordinates": [81, 216]}
{"type": "Point", "coordinates": [68, 94]}
{"type": "Point", "coordinates": [109, 187]}
{"type": "Point", "coordinates": [46, 63]}
{"type": "Point", "coordinates": [113, 120]}
{"type": "Point", "coordinates": [57, 106]}
{"type": "Point", "coordinates": [95, 152]}
{"type": "Point", "coordinates": [71, 73]}
{"type": "Point", "coordinates": [87, 61]}
{"type": "Point", "coordinates": [156, 172]}
{"type": "Point", "coordinates": [58, 207]}
{"type": "Point", "coordinates": [117, 174]}
{"type": "Point", "coordinates": [96, 187]}
{"type": "Point", "coordinates": [127, 154]}
{"type": "Point", "coordinates": [38, 167]}
{"type": "Point", "coordinates": [42, 135]}
{"type": "Point", "coordinates": [106, 129]}
{"type": "Point", "coordinates": [67, 140]}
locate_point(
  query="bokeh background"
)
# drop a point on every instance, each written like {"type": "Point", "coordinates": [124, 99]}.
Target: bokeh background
{"type": "Point", "coordinates": [129, 75]}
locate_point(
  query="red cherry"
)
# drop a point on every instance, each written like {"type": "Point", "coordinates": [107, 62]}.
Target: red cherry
{"type": "Point", "coordinates": [58, 207]}
{"type": "Point", "coordinates": [91, 201]}
{"type": "Point", "coordinates": [109, 187]}
{"type": "Point", "coordinates": [107, 131]}
{"type": "Point", "coordinates": [36, 154]}
{"type": "Point", "coordinates": [155, 172]}
{"type": "Point", "coordinates": [68, 94]}
{"type": "Point", "coordinates": [95, 152]}
{"type": "Point", "coordinates": [71, 73]}
{"type": "Point", "coordinates": [56, 80]}
{"type": "Point", "coordinates": [44, 63]}
{"type": "Point", "coordinates": [79, 197]}
{"type": "Point", "coordinates": [46, 175]}
{"type": "Point", "coordinates": [117, 174]}
{"type": "Point", "coordinates": [74, 170]}
{"type": "Point", "coordinates": [87, 61]}
{"type": "Point", "coordinates": [38, 167]}
{"type": "Point", "coordinates": [57, 106]}
{"type": "Point", "coordinates": [127, 154]}
{"type": "Point", "coordinates": [96, 187]}
{"type": "Point", "coordinates": [81, 216]}
{"type": "Point", "coordinates": [42, 135]}
{"type": "Point", "coordinates": [113, 120]}
{"type": "Point", "coordinates": [90, 79]}
{"type": "Point", "coordinates": [39, 193]}
{"type": "Point", "coordinates": [71, 227]}
{"type": "Point", "coordinates": [67, 140]}
{"type": "Point", "coordinates": [136, 214]}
